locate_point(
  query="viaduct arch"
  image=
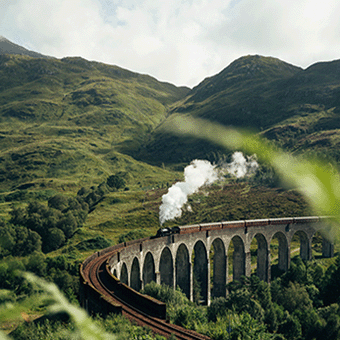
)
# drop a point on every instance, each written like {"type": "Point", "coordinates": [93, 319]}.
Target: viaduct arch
{"type": "Point", "coordinates": [181, 258]}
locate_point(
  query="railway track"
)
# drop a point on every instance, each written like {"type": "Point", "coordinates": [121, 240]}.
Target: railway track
{"type": "Point", "coordinates": [97, 274]}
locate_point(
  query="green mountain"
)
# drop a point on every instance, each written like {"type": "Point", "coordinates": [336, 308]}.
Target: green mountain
{"type": "Point", "coordinates": [311, 103]}
{"type": "Point", "coordinates": [241, 94]}
{"type": "Point", "coordinates": [297, 108]}
{"type": "Point", "coordinates": [65, 122]}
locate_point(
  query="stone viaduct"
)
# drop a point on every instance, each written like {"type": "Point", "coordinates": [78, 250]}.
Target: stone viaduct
{"type": "Point", "coordinates": [201, 252]}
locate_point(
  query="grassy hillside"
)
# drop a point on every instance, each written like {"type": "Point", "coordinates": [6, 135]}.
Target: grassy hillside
{"type": "Point", "coordinates": [67, 121]}
{"type": "Point", "coordinates": [65, 125]}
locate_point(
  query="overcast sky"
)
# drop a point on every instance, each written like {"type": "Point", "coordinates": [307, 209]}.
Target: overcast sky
{"type": "Point", "coordinates": [178, 41]}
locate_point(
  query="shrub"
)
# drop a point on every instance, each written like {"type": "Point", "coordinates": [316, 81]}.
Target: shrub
{"type": "Point", "coordinates": [290, 328]}
{"type": "Point", "coordinates": [53, 240]}
{"type": "Point", "coordinates": [98, 242]}
{"type": "Point", "coordinates": [165, 294]}
{"type": "Point", "coordinates": [115, 182]}
{"type": "Point", "coordinates": [133, 235]}
{"type": "Point", "coordinates": [27, 241]}
{"type": "Point", "coordinates": [59, 202]}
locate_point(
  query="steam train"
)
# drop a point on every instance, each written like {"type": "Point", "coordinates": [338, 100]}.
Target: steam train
{"type": "Point", "coordinates": [245, 224]}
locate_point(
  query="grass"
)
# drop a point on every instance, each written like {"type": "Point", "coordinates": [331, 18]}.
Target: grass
{"type": "Point", "coordinates": [70, 120]}
{"type": "Point", "coordinates": [240, 201]}
{"type": "Point", "coordinates": [83, 160]}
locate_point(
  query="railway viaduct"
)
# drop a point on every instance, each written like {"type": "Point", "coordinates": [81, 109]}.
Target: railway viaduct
{"type": "Point", "coordinates": [198, 250]}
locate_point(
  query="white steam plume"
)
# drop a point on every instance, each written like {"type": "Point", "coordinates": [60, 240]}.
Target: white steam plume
{"type": "Point", "coordinates": [197, 174]}
{"type": "Point", "coordinates": [241, 166]}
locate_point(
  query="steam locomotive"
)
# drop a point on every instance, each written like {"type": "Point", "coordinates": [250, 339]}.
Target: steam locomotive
{"type": "Point", "coordinates": [167, 231]}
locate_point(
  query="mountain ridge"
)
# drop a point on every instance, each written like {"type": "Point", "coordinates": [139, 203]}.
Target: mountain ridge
{"type": "Point", "coordinates": [118, 116]}
{"type": "Point", "coordinates": [8, 47]}
{"type": "Point", "coordinates": [251, 67]}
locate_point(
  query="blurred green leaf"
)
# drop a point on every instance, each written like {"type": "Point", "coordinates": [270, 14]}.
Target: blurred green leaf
{"type": "Point", "coordinates": [3, 336]}
{"type": "Point", "coordinates": [318, 182]}
{"type": "Point", "coordinates": [58, 303]}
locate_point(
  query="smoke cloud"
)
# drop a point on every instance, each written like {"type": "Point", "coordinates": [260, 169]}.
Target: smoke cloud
{"type": "Point", "coordinates": [198, 174]}
{"type": "Point", "coordinates": [241, 166]}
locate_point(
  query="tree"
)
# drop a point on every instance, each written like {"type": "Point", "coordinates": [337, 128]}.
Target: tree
{"type": "Point", "coordinates": [241, 300]}
{"type": "Point", "coordinates": [295, 296]}
{"type": "Point", "coordinates": [37, 208]}
{"type": "Point", "coordinates": [290, 328]}
{"type": "Point", "coordinates": [217, 308]}
{"type": "Point", "coordinates": [297, 272]}
{"type": "Point", "coordinates": [17, 215]}
{"type": "Point", "coordinates": [9, 278]}
{"type": "Point", "coordinates": [247, 328]}
{"type": "Point", "coordinates": [317, 273]}
{"type": "Point", "coordinates": [7, 239]}
{"type": "Point", "coordinates": [310, 321]}
{"type": "Point", "coordinates": [262, 293]}
{"type": "Point", "coordinates": [37, 264]}
{"type": "Point", "coordinates": [27, 241]}
{"type": "Point", "coordinates": [115, 182]}
{"type": "Point", "coordinates": [331, 329]}
{"type": "Point", "coordinates": [330, 290]}
{"type": "Point", "coordinates": [59, 202]}
{"type": "Point", "coordinates": [65, 281]}
{"type": "Point", "coordinates": [62, 213]}
{"type": "Point", "coordinates": [53, 240]}
{"type": "Point", "coordinates": [172, 297]}
{"type": "Point", "coordinates": [58, 262]}
{"type": "Point", "coordinates": [68, 224]}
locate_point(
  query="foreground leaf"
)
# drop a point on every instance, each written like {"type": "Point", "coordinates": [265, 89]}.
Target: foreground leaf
{"type": "Point", "coordinates": [318, 182]}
